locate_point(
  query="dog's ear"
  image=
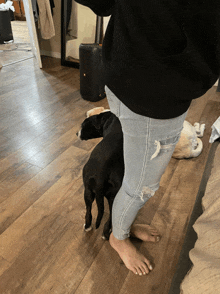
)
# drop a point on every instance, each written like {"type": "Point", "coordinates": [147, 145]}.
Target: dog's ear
{"type": "Point", "coordinates": [100, 119]}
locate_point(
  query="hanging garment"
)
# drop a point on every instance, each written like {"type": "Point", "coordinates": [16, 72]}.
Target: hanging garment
{"type": "Point", "coordinates": [45, 23]}
{"type": "Point", "coordinates": [52, 5]}
{"type": "Point", "coordinates": [72, 21]}
{"type": "Point", "coordinates": [35, 9]}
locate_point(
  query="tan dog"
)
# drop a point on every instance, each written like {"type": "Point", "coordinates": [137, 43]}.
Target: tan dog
{"type": "Point", "coordinates": [189, 144]}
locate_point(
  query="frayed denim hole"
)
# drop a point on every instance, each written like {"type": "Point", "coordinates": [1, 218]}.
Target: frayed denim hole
{"type": "Point", "coordinates": [146, 193]}
{"type": "Point", "coordinates": [165, 145]}
{"type": "Point", "coordinates": [170, 141]}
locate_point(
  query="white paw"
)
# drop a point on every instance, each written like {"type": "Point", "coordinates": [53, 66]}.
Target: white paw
{"type": "Point", "coordinates": [199, 128]}
{"type": "Point", "coordinates": [202, 128]}
{"type": "Point", "coordinates": [88, 229]}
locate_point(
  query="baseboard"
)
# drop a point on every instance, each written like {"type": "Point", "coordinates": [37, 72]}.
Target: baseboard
{"type": "Point", "coordinates": [51, 54]}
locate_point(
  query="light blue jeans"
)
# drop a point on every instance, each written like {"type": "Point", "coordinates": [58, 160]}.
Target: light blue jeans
{"type": "Point", "coordinates": [148, 146]}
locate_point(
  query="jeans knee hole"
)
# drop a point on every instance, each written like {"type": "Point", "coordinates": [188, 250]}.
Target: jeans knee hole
{"type": "Point", "coordinates": [170, 141]}
{"type": "Point", "coordinates": [165, 145]}
{"type": "Point", "coordinates": [147, 192]}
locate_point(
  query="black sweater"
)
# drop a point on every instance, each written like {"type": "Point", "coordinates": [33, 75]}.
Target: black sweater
{"type": "Point", "coordinates": [160, 54]}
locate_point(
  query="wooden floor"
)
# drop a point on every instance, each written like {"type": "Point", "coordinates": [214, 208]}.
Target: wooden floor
{"type": "Point", "coordinates": [43, 248]}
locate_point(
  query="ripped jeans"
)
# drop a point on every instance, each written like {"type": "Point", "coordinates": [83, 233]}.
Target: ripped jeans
{"type": "Point", "coordinates": [148, 146]}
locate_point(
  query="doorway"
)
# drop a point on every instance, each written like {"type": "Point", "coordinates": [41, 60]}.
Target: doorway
{"type": "Point", "coordinates": [24, 44]}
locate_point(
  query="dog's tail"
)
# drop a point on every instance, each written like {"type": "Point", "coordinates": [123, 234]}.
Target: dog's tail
{"type": "Point", "coordinates": [198, 149]}
{"type": "Point", "coordinates": [100, 206]}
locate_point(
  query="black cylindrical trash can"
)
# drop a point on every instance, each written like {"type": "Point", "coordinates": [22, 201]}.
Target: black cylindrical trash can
{"type": "Point", "coordinates": [5, 27]}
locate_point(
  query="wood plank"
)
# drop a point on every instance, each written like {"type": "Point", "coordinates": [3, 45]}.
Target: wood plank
{"type": "Point", "coordinates": [33, 110]}
{"type": "Point", "coordinates": [52, 135]}
{"type": "Point", "coordinates": [12, 207]}
{"type": "Point", "coordinates": [63, 120]}
{"type": "Point", "coordinates": [4, 265]}
{"type": "Point", "coordinates": [28, 128]}
{"type": "Point", "coordinates": [13, 243]}
{"type": "Point", "coordinates": [34, 131]}
{"type": "Point", "coordinates": [14, 178]}
{"type": "Point", "coordinates": [215, 96]}
{"type": "Point", "coordinates": [3, 139]}
{"type": "Point", "coordinates": [57, 124]}
{"type": "Point", "coordinates": [53, 263]}
{"type": "Point", "coordinates": [105, 274]}
{"type": "Point", "coordinates": [14, 151]}
{"type": "Point", "coordinates": [23, 95]}
{"type": "Point", "coordinates": [197, 106]}
{"type": "Point", "coordinates": [47, 155]}
{"type": "Point", "coordinates": [53, 244]}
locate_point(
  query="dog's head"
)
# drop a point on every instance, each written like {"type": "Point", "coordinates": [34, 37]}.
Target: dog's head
{"type": "Point", "coordinates": [92, 127]}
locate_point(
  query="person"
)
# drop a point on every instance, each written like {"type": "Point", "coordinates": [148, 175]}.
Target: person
{"type": "Point", "coordinates": [158, 56]}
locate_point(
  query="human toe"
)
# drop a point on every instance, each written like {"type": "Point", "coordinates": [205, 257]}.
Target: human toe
{"type": "Point", "coordinates": [138, 271]}
{"type": "Point", "coordinates": [148, 264]}
{"type": "Point", "coordinates": [145, 269]}
{"type": "Point", "coordinates": [158, 238]}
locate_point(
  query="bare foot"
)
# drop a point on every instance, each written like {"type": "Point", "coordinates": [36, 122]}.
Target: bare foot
{"type": "Point", "coordinates": [132, 258]}
{"type": "Point", "coordinates": [145, 233]}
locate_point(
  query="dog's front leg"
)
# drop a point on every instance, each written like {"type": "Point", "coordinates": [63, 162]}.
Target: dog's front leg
{"type": "Point", "coordinates": [89, 197]}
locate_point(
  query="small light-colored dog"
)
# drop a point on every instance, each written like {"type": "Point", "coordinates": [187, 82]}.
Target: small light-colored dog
{"type": "Point", "coordinates": [189, 144]}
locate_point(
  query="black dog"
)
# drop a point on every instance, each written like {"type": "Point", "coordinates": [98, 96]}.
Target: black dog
{"type": "Point", "coordinates": [104, 171]}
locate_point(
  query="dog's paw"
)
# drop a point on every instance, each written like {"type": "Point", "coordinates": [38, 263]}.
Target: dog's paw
{"type": "Point", "coordinates": [104, 238]}
{"type": "Point", "coordinates": [199, 128]}
{"type": "Point", "coordinates": [87, 229]}
{"type": "Point", "coordinates": [106, 235]}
